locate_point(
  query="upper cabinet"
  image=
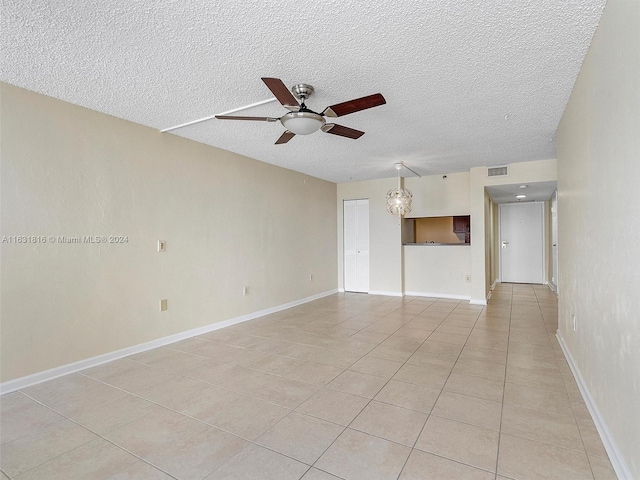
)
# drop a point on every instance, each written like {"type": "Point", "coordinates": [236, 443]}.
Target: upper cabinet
{"type": "Point", "coordinates": [462, 224]}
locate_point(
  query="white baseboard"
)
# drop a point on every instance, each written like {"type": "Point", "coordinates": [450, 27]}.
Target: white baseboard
{"type": "Point", "coordinates": [478, 302]}
{"type": "Point", "coordinates": [437, 295]}
{"type": "Point", "coordinates": [27, 381]}
{"type": "Point", "coordinates": [386, 294]}
{"type": "Point", "coordinates": [617, 460]}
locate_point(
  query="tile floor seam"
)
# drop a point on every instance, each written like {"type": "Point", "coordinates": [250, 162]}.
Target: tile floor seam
{"type": "Point", "coordinates": [208, 384]}
{"type": "Point", "coordinates": [100, 436]}
{"type": "Point", "coordinates": [370, 400]}
{"type": "Point", "coordinates": [20, 392]}
{"type": "Point", "coordinates": [194, 418]}
{"type": "Point", "coordinates": [85, 444]}
{"type": "Point", "coordinates": [344, 428]}
{"type": "Point", "coordinates": [584, 447]}
{"type": "Point", "coordinates": [526, 319]}
{"type": "Point", "coordinates": [209, 425]}
{"type": "Point", "coordinates": [51, 459]}
{"type": "Point", "coordinates": [363, 408]}
{"type": "Point", "coordinates": [288, 456]}
{"type": "Point", "coordinates": [437, 398]}
{"type": "Point", "coordinates": [504, 388]}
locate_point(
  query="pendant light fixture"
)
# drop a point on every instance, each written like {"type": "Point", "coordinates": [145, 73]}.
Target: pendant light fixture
{"type": "Point", "coordinates": [399, 199]}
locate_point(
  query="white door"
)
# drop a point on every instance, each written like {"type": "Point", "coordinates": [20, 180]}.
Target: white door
{"type": "Point", "coordinates": [356, 246]}
{"type": "Point", "coordinates": [554, 241]}
{"type": "Point", "coordinates": [521, 242]}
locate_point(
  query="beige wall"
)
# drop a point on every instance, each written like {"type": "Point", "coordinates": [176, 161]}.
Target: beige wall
{"type": "Point", "coordinates": [599, 224]}
{"type": "Point", "coordinates": [228, 221]}
{"type": "Point", "coordinates": [385, 238]}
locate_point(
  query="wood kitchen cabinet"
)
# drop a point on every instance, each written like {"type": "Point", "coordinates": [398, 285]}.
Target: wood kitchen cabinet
{"type": "Point", "coordinates": [462, 224]}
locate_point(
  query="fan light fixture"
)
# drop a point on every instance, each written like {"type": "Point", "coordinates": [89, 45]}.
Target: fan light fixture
{"type": "Point", "coordinates": [302, 123]}
{"type": "Point", "coordinates": [301, 120]}
{"type": "Point", "coordinates": [399, 199]}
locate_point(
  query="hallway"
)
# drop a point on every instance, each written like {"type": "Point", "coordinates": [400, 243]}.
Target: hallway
{"type": "Point", "coordinates": [350, 386]}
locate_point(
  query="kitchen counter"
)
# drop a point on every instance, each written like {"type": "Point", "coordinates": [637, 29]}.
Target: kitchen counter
{"type": "Point", "coordinates": [431, 244]}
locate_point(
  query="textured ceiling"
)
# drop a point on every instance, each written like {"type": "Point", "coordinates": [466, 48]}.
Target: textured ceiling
{"type": "Point", "coordinates": [535, 192]}
{"type": "Point", "coordinates": [467, 82]}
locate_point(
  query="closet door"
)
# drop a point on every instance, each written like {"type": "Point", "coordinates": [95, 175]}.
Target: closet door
{"type": "Point", "coordinates": [350, 246]}
{"type": "Point", "coordinates": [356, 246]}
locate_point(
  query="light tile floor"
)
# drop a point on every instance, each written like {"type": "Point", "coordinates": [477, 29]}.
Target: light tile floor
{"type": "Point", "coordinates": [350, 386]}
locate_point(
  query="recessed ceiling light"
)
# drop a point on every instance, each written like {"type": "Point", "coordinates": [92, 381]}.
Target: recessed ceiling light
{"type": "Point", "coordinates": [523, 186]}
{"type": "Point", "coordinates": [521, 196]}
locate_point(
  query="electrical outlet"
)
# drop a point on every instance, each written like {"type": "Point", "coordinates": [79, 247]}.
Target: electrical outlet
{"type": "Point", "coordinates": [163, 305]}
{"type": "Point", "coordinates": [245, 290]}
{"type": "Point", "coordinates": [162, 246]}
{"type": "Point", "coordinates": [573, 322]}
{"type": "Point", "coordinates": [467, 278]}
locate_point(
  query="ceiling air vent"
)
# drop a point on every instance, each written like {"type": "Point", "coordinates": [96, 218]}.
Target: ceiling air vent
{"type": "Point", "coordinates": [497, 171]}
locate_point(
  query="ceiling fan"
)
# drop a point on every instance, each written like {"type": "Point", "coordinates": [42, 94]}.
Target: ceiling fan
{"type": "Point", "coordinates": [300, 120]}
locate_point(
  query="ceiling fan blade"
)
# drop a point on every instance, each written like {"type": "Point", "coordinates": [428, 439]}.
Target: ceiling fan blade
{"type": "Point", "coordinates": [281, 92]}
{"type": "Point", "coordinates": [342, 131]}
{"type": "Point", "coordinates": [257, 119]}
{"type": "Point", "coordinates": [285, 137]}
{"type": "Point", "coordinates": [345, 108]}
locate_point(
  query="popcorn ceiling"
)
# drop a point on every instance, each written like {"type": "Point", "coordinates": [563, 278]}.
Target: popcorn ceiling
{"type": "Point", "coordinates": [467, 82]}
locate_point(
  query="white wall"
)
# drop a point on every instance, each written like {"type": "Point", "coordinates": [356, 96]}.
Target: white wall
{"type": "Point", "coordinates": [489, 240]}
{"type": "Point", "coordinates": [432, 196]}
{"type": "Point", "coordinates": [459, 194]}
{"type": "Point", "coordinates": [437, 271]}
{"type": "Point", "coordinates": [435, 196]}
{"type": "Point", "coordinates": [228, 221]}
{"type": "Point", "coordinates": [599, 225]}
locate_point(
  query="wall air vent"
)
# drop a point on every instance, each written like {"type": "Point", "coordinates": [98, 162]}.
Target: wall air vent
{"type": "Point", "coordinates": [497, 171]}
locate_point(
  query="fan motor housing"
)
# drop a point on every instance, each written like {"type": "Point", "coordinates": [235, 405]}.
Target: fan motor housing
{"type": "Point", "coordinates": [302, 91]}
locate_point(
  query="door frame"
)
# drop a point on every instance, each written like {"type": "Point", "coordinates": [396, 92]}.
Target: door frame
{"type": "Point", "coordinates": [344, 283]}
{"type": "Point", "coordinates": [553, 282]}
{"type": "Point", "coordinates": [543, 232]}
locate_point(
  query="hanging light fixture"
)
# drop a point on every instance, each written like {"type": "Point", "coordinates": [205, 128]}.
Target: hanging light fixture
{"type": "Point", "coordinates": [399, 199]}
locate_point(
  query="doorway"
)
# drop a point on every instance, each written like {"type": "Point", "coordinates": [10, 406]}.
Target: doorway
{"type": "Point", "coordinates": [521, 242]}
{"type": "Point", "coordinates": [356, 246]}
